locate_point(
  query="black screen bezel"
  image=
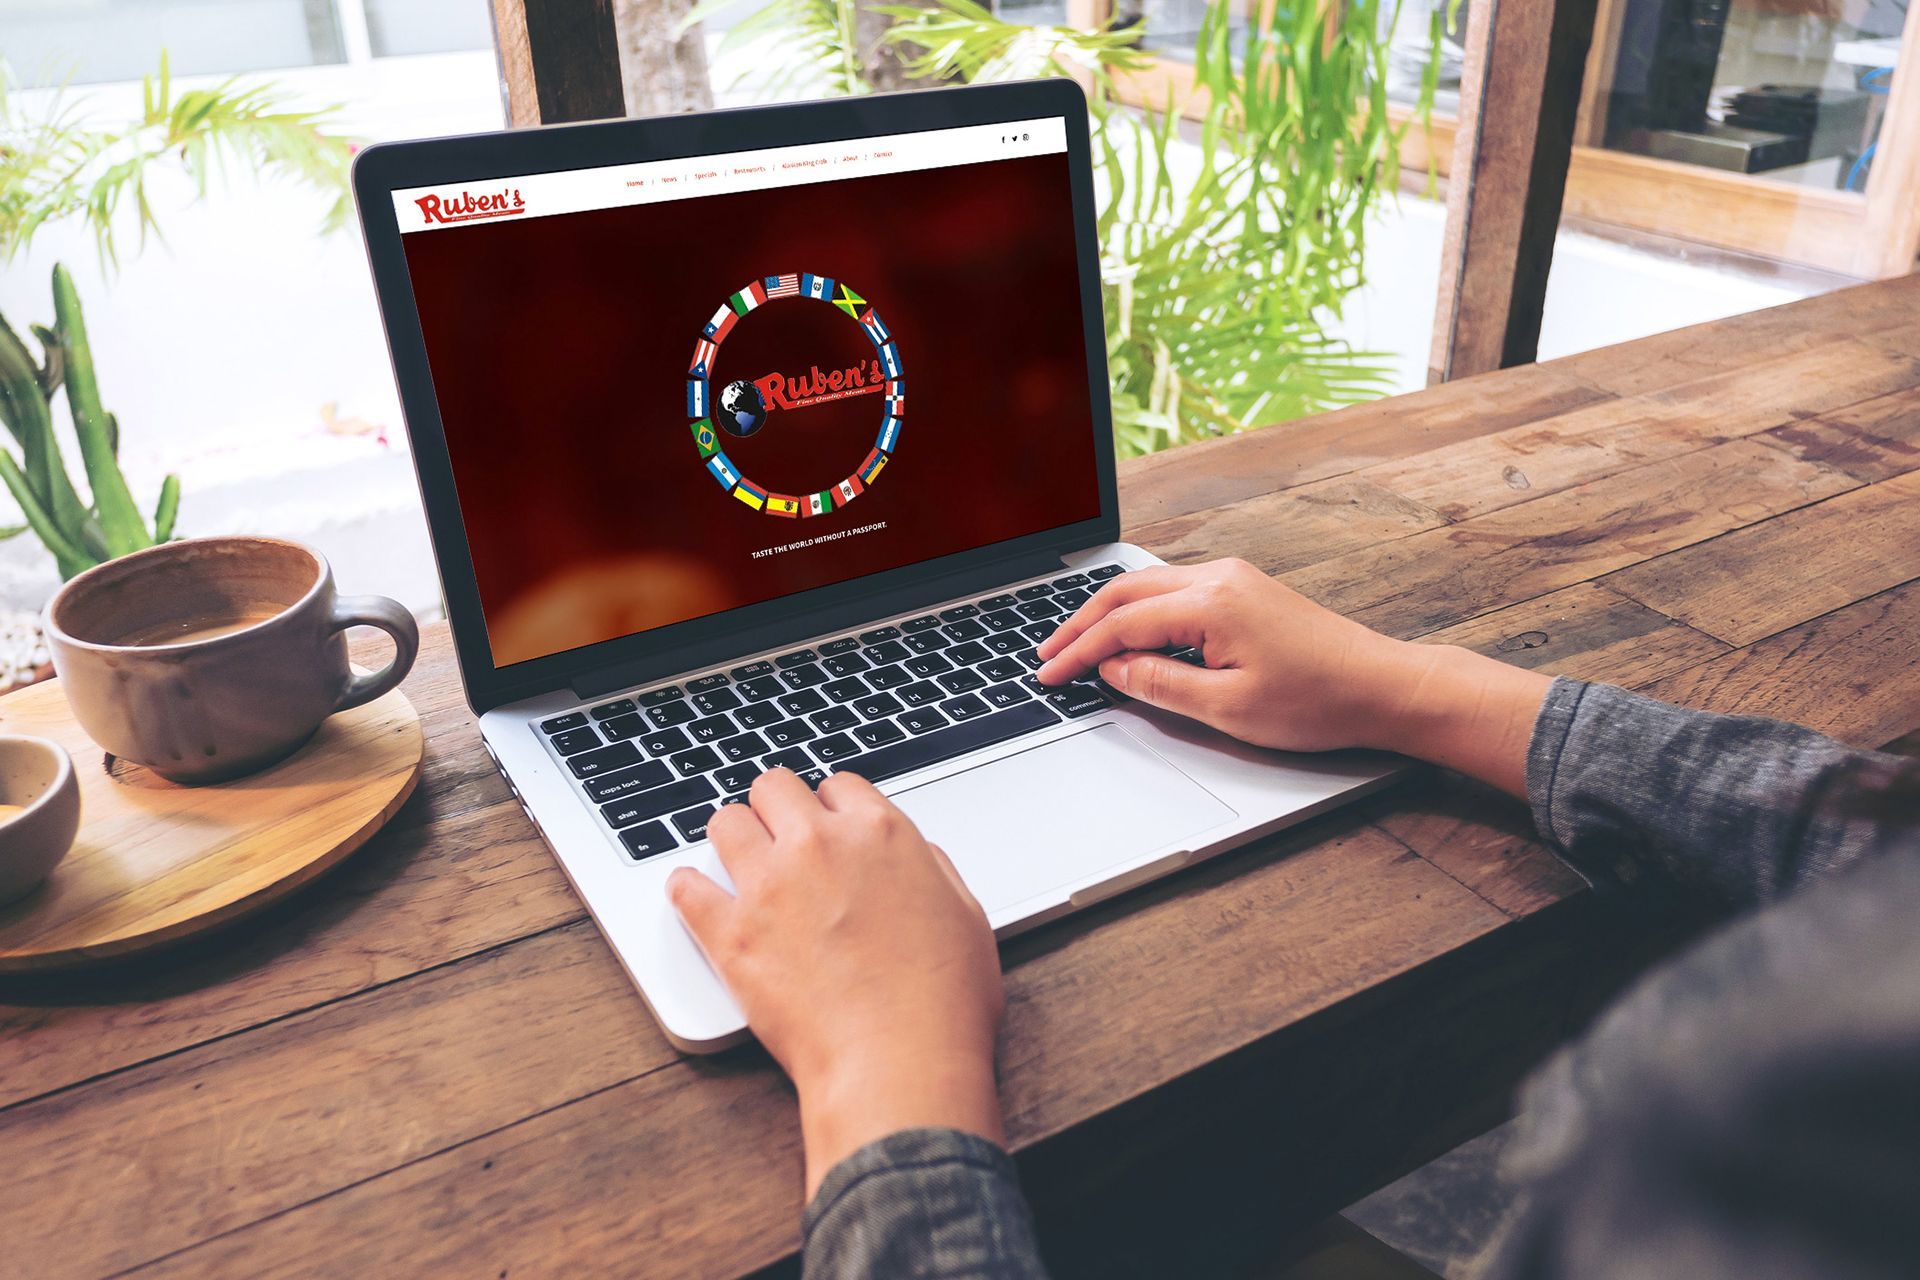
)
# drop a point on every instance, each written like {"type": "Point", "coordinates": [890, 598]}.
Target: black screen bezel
{"type": "Point", "coordinates": [380, 170]}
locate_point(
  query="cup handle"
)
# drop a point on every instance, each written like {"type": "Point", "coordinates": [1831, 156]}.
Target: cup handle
{"type": "Point", "coordinates": [391, 617]}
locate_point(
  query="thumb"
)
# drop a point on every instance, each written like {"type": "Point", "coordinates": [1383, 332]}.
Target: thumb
{"type": "Point", "coordinates": [1160, 681]}
{"type": "Point", "coordinates": [703, 905]}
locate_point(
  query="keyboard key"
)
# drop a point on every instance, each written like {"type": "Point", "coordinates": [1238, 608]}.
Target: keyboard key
{"type": "Point", "coordinates": [658, 697]}
{"type": "Point", "coordinates": [1038, 631]}
{"type": "Point", "coordinates": [747, 746]}
{"type": "Point", "coordinates": [924, 623]}
{"type": "Point", "coordinates": [804, 677]}
{"type": "Point", "coordinates": [879, 635]}
{"type": "Point", "coordinates": [665, 716]}
{"type": "Point", "coordinates": [1070, 581]}
{"type": "Point", "coordinates": [845, 690]}
{"type": "Point", "coordinates": [1007, 642]}
{"type": "Point", "coordinates": [1002, 620]}
{"type": "Point", "coordinates": [969, 653]}
{"type": "Point", "coordinates": [664, 742]}
{"type": "Point", "coordinates": [698, 760]}
{"type": "Point", "coordinates": [793, 758]}
{"type": "Point", "coordinates": [965, 629]}
{"type": "Point", "coordinates": [844, 664]}
{"type": "Point", "coordinates": [752, 671]}
{"type": "Point", "coordinates": [603, 760]}
{"type": "Point", "coordinates": [1078, 700]}
{"type": "Point", "coordinates": [1031, 683]}
{"type": "Point", "coordinates": [887, 651]}
{"type": "Point", "coordinates": [560, 724]}
{"type": "Point", "coordinates": [813, 777]}
{"type": "Point", "coordinates": [879, 733]}
{"type": "Point", "coordinates": [736, 778]}
{"type": "Point", "coordinates": [920, 693]}
{"type": "Point", "coordinates": [712, 729]}
{"type": "Point", "coordinates": [834, 719]}
{"type": "Point", "coordinates": [1105, 571]}
{"type": "Point", "coordinates": [789, 732]}
{"type": "Point", "coordinates": [1110, 691]}
{"type": "Point", "coordinates": [922, 720]}
{"type": "Point", "coordinates": [928, 664]}
{"type": "Point", "coordinates": [966, 707]}
{"type": "Point", "coordinates": [589, 764]}
{"type": "Point", "coordinates": [798, 704]}
{"type": "Point", "coordinates": [1071, 600]}
{"type": "Point", "coordinates": [713, 702]}
{"type": "Point", "coordinates": [759, 715]}
{"type": "Point", "coordinates": [1001, 668]}
{"type": "Point", "coordinates": [693, 823]}
{"type": "Point", "coordinates": [889, 677]}
{"type": "Point", "coordinates": [619, 707]}
{"type": "Point", "coordinates": [877, 706]}
{"type": "Point", "coordinates": [833, 648]}
{"type": "Point", "coordinates": [1002, 696]}
{"type": "Point", "coordinates": [799, 657]}
{"type": "Point", "coordinates": [962, 681]}
{"type": "Point", "coordinates": [644, 805]}
{"type": "Point", "coordinates": [916, 753]}
{"type": "Point", "coordinates": [1030, 659]}
{"type": "Point", "coordinates": [610, 786]}
{"type": "Point", "coordinates": [927, 642]}
{"type": "Point", "coordinates": [837, 747]}
{"type": "Point", "coordinates": [646, 841]}
{"type": "Point", "coordinates": [623, 727]}
{"type": "Point", "coordinates": [1037, 591]}
{"type": "Point", "coordinates": [958, 612]}
{"type": "Point", "coordinates": [1038, 609]}
{"type": "Point", "coordinates": [760, 688]}
{"type": "Point", "coordinates": [998, 602]}
{"type": "Point", "coordinates": [706, 684]}
{"type": "Point", "coordinates": [574, 741]}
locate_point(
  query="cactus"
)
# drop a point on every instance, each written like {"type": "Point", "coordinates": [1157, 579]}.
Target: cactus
{"type": "Point", "coordinates": [79, 534]}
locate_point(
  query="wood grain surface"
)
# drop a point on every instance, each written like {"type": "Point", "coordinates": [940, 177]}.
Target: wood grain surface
{"type": "Point", "coordinates": [155, 862]}
{"type": "Point", "coordinates": [427, 1063]}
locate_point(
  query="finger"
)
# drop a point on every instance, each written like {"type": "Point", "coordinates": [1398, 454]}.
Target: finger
{"type": "Point", "coordinates": [782, 801]}
{"type": "Point", "coordinates": [740, 838]}
{"type": "Point", "coordinates": [1160, 681]}
{"type": "Point", "coordinates": [1155, 623]}
{"type": "Point", "coordinates": [843, 791]}
{"type": "Point", "coordinates": [705, 908]}
{"type": "Point", "coordinates": [1125, 589]}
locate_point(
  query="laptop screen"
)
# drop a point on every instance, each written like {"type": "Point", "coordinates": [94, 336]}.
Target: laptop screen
{"type": "Point", "coordinates": [674, 388]}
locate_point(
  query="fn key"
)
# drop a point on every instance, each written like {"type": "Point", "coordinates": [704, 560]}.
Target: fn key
{"type": "Point", "coordinates": [647, 839]}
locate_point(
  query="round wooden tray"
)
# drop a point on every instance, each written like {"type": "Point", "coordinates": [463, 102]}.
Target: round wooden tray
{"type": "Point", "coordinates": [156, 862]}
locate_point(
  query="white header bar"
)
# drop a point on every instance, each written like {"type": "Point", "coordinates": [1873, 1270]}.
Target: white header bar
{"type": "Point", "coordinates": [545, 195]}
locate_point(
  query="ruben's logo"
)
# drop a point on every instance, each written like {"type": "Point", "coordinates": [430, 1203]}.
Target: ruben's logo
{"type": "Point", "coordinates": [781, 391]}
{"type": "Point", "coordinates": [468, 206]}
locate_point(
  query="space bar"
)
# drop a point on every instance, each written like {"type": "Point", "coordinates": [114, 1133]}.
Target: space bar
{"type": "Point", "coordinates": [945, 744]}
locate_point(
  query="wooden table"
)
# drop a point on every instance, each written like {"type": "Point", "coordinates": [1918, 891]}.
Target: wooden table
{"type": "Point", "coordinates": [428, 1063]}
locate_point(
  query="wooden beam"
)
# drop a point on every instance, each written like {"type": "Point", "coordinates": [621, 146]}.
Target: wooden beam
{"type": "Point", "coordinates": [559, 60]}
{"type": "Point", "coordinates": [1519, 95]}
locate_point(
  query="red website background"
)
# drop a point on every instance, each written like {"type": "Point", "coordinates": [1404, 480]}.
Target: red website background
{"type": "Point", "coordinates": [560, 346]}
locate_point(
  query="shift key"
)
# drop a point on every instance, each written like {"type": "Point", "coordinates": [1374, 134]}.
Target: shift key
{"type": "Point", "coordinates": [671, 798]}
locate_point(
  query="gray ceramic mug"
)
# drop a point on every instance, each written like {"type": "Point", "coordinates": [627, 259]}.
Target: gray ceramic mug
{"type": "Point", "coordinates": [211, 658]}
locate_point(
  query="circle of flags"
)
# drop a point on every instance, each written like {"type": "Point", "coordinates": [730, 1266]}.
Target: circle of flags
{"type": "Point", "coordinates": [699, 409]}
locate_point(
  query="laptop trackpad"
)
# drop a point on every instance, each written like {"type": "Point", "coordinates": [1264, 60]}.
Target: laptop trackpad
{"type": "Point", "coordinates": [1059, 813]}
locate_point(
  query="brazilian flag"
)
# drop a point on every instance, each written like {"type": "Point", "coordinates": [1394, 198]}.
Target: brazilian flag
{"type": "Point", "coordinates": [704, 439]}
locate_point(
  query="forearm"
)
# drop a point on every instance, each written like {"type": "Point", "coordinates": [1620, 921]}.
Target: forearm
{"type": "Point", "coordinates": [1454, 708]}
{"type": "Point", "coordinates": [864, 1098]}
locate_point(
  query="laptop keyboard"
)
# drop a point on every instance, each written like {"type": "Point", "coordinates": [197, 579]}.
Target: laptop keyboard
{"type": "Point", "coordinates": [879, 703]}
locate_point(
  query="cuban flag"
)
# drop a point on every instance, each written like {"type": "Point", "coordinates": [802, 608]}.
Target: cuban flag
{"type": "Point", "coordinates": [704, 439]}
{"type": "Point", "coordinates": [696, 397]}
{"type": "Point", "coordinates": [716, 328]}
{"type": "Point", "coordinates": [818, 504]}
{"type": "Point", "coordinates": [748, 298]}
{"type": "Point", "coordinates": [820, 287]}
{"type": "Point", "coordinates": [703, 354]}
{"type": "Point", "coordinates": [779, 504]}
{"type": "Point", "coordinates": [889, 435]}
{"type": "Point", "coordinates": [870, 468]}
{"type": "Point", "coordinates": [890, 360]}
{"type": "Point", "coordinates": [849, 489]}
{"type": "Point", "coordinates": [751, 494]}
{"type": "Point", "coordinates": [781, 287]}
{"type": "Point", "coordinates": [876, 327]}
{"type": "Point", "coordinates": [723, 471]}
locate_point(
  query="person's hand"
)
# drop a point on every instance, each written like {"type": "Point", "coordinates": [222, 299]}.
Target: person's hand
{"type": "Point", "coordinates": [860, 960]}
{"type": "Point", "coordinates": [1281, 671]}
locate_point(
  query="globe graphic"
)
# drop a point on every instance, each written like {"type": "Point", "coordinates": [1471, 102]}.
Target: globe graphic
{"type": "Point", "coordinates": [743, 410]}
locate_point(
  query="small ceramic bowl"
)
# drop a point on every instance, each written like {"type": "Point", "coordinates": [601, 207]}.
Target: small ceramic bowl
{"type": "Point", "coordinates": [36, 775]}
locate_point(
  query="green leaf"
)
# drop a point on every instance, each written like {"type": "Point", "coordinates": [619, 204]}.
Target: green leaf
{"type": "Point", "coordinates": [167, 509]}
{"type": "Point", "coordinates": [120, 520]}
{"type": "Point", "coordinates": [69, 558]}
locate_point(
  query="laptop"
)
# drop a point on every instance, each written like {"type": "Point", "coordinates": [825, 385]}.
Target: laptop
{"type": "Point", "coordinates": [780, 437]}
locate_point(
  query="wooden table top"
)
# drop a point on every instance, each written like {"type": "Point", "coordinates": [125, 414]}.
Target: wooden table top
{"type": "Point", "coordinates": [429, 1063]}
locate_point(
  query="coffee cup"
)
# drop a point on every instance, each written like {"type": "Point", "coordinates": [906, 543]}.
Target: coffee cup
{"type": "Point", "coordinates": [211, 658]}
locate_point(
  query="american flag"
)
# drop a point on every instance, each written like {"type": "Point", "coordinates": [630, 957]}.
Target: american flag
{"type": "Point", "coordinates": [783, 287]}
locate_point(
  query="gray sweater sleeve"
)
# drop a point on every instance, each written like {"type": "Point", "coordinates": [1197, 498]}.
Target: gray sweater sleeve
{"type": "Point", "coordinates": [1732, 805]}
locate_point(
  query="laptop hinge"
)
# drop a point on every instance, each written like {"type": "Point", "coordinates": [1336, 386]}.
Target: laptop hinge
{"type": "Point", "coordinates": [798, 626]}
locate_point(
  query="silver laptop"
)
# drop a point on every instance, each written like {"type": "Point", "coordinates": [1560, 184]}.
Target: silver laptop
{"type": "Point", "coordinates": [781, 437]}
